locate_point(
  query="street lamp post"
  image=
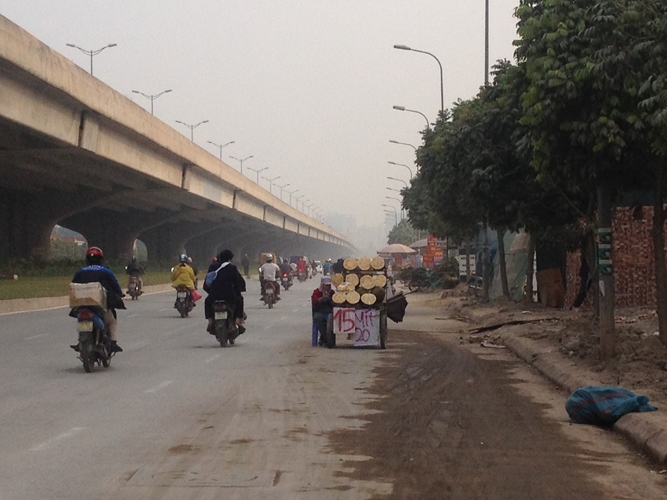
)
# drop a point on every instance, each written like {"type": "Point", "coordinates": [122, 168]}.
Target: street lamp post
{"type": "Point", "coordinates": [152, 97]}
{"type": "Point", "coordinates": [401, 165]}
{"type": "Point", "coordinates": [192, 128]}
{"type": "Point", "coordinates": [403, 108]}
{"type": "Point", "coordinates": [257, 171]}
{"type": "Point", "coordinates": [442, 87]}
{"type": "Point", "coordinates": [399, 180]}
{"type": "Point", "coordinates": [281, 189]}
{"type": "Point", "coordinates": [220, 146]}
{"type": "Point", "coordinates": [241, 160]}
{"type": "Point", "coordinates": [399, 203]}
{"type": "Point", "coordinates": [271, 182]}
{"type": "Point", "coordinates": [296, 199]}
{"type": "Point", "coordinates": [290, 195]}
{"type": "Point", "coordinates": [392, 189]}
{"type": "Point", "coordinates": [91, 53]}
{"type": "Point", "coordinates": [395, 213]}
{"type": "Point", "coordinates": [403, 143]}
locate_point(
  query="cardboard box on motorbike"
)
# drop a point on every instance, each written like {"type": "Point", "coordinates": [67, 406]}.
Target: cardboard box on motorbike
{"type": "Point", "coordinates": [87, 294]}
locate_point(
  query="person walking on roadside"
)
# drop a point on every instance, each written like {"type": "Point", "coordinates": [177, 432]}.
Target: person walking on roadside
{"type": "Point", "coordinates": [245, 262]}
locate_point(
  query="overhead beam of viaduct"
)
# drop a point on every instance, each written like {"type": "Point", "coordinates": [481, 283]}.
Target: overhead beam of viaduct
{"type": "Point", "coordinates": [75, 152]}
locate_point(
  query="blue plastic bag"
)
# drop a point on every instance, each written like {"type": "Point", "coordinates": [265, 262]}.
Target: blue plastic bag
{"type": "Point", "coordinates": [604, 405]}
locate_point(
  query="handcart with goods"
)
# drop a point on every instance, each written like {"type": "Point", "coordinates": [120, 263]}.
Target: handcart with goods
{"type": "Point", "coordinates": [361, 303]}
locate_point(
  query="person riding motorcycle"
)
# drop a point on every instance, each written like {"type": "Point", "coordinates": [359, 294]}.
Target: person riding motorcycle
{"type": "Point", "coordinates": [183, 274]}
{"type": "Point", "coordinates": [94, 272]}
{"type": "Point", "coordinates": [326, 268]}
{"type": "Point", "coordinates": [228, 285]}
{"type": "Point", "coordinates": [286, 269]}
{"type": "Point", "coordinates": [134, 269]}
{"type": "Point", "coordinates": [268, 273]}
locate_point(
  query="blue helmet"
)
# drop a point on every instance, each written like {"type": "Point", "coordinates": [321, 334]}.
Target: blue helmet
{"type": "Point", "coordinates": [183, 258]}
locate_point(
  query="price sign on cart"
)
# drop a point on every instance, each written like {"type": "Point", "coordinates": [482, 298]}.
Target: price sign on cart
{"type": "Point", "coordinates": [367, 327]}
{"type": "Point", "coordinates": [362, 326]}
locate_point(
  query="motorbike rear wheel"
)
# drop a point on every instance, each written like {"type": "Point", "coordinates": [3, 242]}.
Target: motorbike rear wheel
{"type": "Point", "coordinates": [87, 356]}
{"type": "Point", "coordinates": [222, 333]}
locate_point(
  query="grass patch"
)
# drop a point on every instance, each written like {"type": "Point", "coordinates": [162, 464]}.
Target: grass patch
{"type": "Point", "coordinates": [54, 286]}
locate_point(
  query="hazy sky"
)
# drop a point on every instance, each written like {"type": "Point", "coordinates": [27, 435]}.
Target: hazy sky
{"type": "Point", "coordinates": [305, 86]}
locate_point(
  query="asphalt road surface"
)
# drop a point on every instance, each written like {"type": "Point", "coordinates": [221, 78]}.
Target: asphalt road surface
{"type": "Point", "coordinates": [178, 417]}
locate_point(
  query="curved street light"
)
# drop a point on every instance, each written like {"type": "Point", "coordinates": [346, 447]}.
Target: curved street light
{"type": "Point", "coordinates": [401, 165]}
{"type": "Point", "coordinates": [241, 160]}
{"type": "Point", "coordinates": [399, 180]}
{"type": "Point", "coordinates": [257, 171]}
{"type": "Point", "coordinates": [219, 146]}
{"type": "Point", "coordinates": [395, 212]}
{"type": "Point", "coordinates": [442, 88]}
{"type": "Point", "coordinates": [152, 97]}
{"type": "Point", "coordinates": [403, 143]}
{"type": "Point", "coordinates": [91, 53]}
{"type": "Point", "coordinates": [192, 128]}
{"type": "Point", "coordinates": [403, 108]}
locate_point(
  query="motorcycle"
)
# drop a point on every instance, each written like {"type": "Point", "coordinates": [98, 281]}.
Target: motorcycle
{"type": "Point", "coordinates": [269, 296]}
{"type": "Point", "coordinates": [303, 276]}
{"type": "Point", "coordinates": [94, 344]}
{"type": "Point", "coordinates": [225, 328]}
{"type": "Point", "coordinates": [133, 288]}
{"type": "Point", "coordinates": [184, 302]}
{"type": "Point", "coordinates": [286, 281]}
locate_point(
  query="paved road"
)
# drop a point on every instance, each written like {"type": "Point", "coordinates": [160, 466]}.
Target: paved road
{"type": "Point", "coordinates": [176, 416]}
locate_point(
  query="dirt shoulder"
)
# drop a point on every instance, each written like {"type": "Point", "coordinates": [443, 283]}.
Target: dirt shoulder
{"type": "Point", "coordinates": [640, 363]}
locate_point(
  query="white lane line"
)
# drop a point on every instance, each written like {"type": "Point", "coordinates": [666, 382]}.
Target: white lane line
{"type": "Point", "coordinates": [160, 386]}
{"type": "Point", "coordinates": [59, 437]}
{"type": "Point", "coordinates": [164, 310]}
{"type": "Point", "coordinates": [34, 310]}
{"type": "Point", "coordinates": [133, 315]}
{"type": "Point", "coordinates": [37, 336]}
{"type": "Point", "coordinates": [213, 358]}
{"type": "Point", "coordinates": [284, 318]}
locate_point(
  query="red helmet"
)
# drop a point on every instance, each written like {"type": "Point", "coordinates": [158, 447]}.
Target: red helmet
{"type": "Point", "coordinates": [95, 252]}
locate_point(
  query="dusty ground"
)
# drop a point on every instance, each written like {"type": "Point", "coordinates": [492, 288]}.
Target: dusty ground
{"type": "Point", "coordinates": [640, 363]}
{"type": "Point", "coordinates": [452, 419]}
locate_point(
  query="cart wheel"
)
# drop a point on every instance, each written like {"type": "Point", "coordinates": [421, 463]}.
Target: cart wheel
{"type": "Point", "coordinates": [383, 330]}
{"type": "Point", "coordinates": [331, 337]}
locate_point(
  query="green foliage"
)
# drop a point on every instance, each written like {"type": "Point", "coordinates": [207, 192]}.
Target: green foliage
{"type": "Point", "coordinates": [403, 233]}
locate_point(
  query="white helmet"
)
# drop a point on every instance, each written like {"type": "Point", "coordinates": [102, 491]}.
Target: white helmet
{"type": "Point", "coordinates": [269, 257]}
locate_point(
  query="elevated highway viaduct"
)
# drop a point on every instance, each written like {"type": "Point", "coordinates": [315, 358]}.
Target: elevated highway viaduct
{"type": "Point", "coordinates": [75, 152]}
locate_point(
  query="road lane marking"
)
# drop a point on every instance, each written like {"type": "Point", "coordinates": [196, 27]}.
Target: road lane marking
{"type": "Point", "coordinates": [59, 437]}
{"type": "Point", "coordinates": [158, 387]}
{"type": "Point", "coordinates": [36, 336]}
{"type": "Point", "coordinates": [212, 358]}
{"type": "Point", "coordinates": [133, 315]}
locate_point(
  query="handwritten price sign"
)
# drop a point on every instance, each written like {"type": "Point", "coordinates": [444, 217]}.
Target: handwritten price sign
{"type": "Point", "coordinates": [361, 325]}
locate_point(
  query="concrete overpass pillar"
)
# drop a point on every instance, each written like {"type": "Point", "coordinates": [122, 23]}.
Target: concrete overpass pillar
{"type": "Point", "coordinates": [27, 219]}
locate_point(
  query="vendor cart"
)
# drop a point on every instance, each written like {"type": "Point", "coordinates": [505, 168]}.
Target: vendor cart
{"type": "Point", "coordinates": [360, 303]}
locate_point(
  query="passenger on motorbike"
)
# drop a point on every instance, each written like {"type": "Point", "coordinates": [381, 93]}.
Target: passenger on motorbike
{"type": "Point", "coordinates": [95, 272]}
{"type": "Point", "coordinates": [183, 275]}
{"type": "Point", "coordinates": [134, 269]}
{"type": "Point", "coordinates": [322, 307]}
{"type": "Point", "coordinates": [228, 285]}
{"type": "Point", "coordinates": [269, 272]}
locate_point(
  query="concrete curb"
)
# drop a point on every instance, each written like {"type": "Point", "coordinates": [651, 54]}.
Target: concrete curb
{"type": "Point", "coordinates": [644, 430]}
{"type": "Point", "coordinates": [24, 305]}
